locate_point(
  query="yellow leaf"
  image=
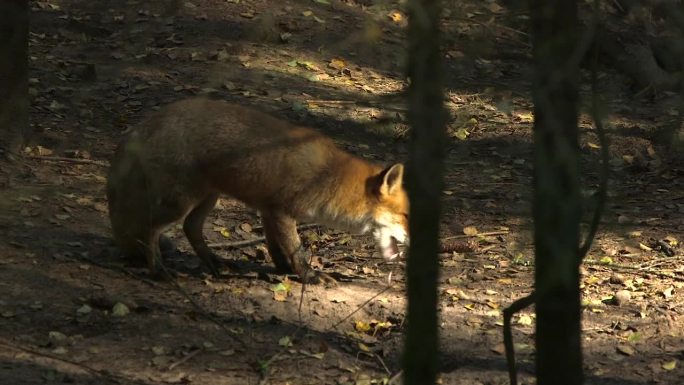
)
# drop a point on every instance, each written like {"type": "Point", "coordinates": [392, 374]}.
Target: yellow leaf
{"type": "Point", "coordinates": [461, 134]}
{"type": "Point", "coordinates": [525, 320]}
{"type": "Point", "coordinates": [395, 16]}
{"type": "Point", "coordinates": [383, 325]}
{"type": "Point", "coordinates": [337, 64]}
{"type": "Point", "coordinates": [525, 117]}
{"type": "Point", "coordinates": [593, 145]}
{"type": "Point", "coordinates": [606, 260]}
{"type": "Point", "coordinates": [362, 326]}
{"type": "Point", "coordinates": [644, 247]}
{"type": "Point", "coordinates": [470, 230]}
{"type": "Point", "coordinates": [670, 365]}
{"type": "Point", "coordinates": [307, 13]}
{"type": "Point", "coordinates": [672, 240]}
{"type": "Point", "coordinates": [224, 232]}
{"type": "Point", "coordinates": [363, 347]}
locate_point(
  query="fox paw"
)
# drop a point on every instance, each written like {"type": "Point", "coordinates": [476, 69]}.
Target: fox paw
{"type": "Point", "coordinates": [317, 277]}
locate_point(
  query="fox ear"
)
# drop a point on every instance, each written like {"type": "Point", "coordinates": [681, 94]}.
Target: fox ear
{"type": "Point", "coordinates": [392, 178]}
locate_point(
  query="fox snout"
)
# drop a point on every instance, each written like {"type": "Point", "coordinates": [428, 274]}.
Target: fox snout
{"type": "Point", "coordinates": [388, 241]}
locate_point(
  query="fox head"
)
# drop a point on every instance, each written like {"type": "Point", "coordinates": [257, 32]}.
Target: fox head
{"type": "Point", "coordinates": [390, 213]}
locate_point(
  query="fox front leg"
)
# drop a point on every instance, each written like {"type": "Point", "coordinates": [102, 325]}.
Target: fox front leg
{"type": "Point", "coordinates": [284, 245]}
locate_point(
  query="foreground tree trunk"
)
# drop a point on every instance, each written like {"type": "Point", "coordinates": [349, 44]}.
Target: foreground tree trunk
{"type": "Point", "coordinates": [424, 183]}
{"type": "Point", "coordinates": [556, 205]}
{"type": "Point", "coordinates": [14, 127]}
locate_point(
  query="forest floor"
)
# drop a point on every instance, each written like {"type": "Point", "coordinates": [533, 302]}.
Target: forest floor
{"type": "Point", "coordinates": [71, 310]}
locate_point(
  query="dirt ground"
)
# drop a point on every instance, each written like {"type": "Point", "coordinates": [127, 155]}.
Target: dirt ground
{"type": "Point", "coordinates": [71, 310]}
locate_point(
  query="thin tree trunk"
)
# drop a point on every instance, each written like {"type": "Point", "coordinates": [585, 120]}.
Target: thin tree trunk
{"type": "Point", "coordinates": [424, 183]}
{"type": "Point", "coordinates": [556, 205]}
{"type": "Point", "coordinates": [14, 127]}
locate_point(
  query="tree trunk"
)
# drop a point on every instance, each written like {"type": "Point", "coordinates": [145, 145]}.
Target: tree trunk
{"type": "Point", "coordinates": [556, 205]}
{"type": "Point", "coordinates": [424, 182]}
{"type": "Point", "coordinates": [14, 103]}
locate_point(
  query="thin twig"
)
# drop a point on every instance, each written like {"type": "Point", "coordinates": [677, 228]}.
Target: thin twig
{"type": "Point", "coordinates": [499, 25]}
{"type": "Point", "coordinates": [304, 226]}
{"type": "Point", "coordinates": [502, 232]}
{"type": "Point", "coordinates": [70, 160]}
{"type": "Point", "coordinates": [102, 373]}
{"type": "Point", "coordinates": [250, 242]}
{"type": "Point", "coordinates": [237, 244]}
{"type": "Point", "coordinates": [185, 359]}
{"type": "Point", "coordinates": [360, 307]}
{"type": "Point", "coordinates": [200, 310]}
{"type": "Point", "coordinates": [331, 101]}
{"type": "Point", "coordinates": [393, 380]}
{"type": "Point", "coordinates": [382, 362]}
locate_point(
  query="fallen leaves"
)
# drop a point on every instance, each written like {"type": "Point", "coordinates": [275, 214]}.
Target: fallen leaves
{"type": "Point", "coordinates": [282, 290]}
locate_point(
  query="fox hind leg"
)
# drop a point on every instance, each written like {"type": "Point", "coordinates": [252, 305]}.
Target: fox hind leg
{"type": "Point", "coordinates": [192, 226]}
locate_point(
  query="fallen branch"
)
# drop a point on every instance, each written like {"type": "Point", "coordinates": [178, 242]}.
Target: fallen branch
{"type": "Point", "coordinates": [636, 270]}
{"type": "Point", "coordinates": [501, 232]}
{"type": "Point", "coordinates": [70, 160]}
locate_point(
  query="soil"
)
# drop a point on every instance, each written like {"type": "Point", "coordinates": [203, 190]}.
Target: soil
{"type": "Point", "coordinates": [73, 311]}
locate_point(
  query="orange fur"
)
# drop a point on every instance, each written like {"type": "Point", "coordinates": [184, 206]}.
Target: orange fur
{"type": "Point", "coordinates": [175, 164]}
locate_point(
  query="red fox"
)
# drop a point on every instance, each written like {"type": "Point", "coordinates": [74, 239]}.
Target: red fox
{"type": "Point", "coordinates": [176, 163]}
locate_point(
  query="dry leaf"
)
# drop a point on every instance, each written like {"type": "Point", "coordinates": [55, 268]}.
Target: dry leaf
{"type": "Point", "coordinates": [670, 365]}
{"type": "Point", "coordinates": [470, 230]}
{"type": "Point", "coordinates": [337, 64]}
{"type": "Point", "coordinates": [626, 350]}
{"type": "Point", "coordinates": [396, 16]}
